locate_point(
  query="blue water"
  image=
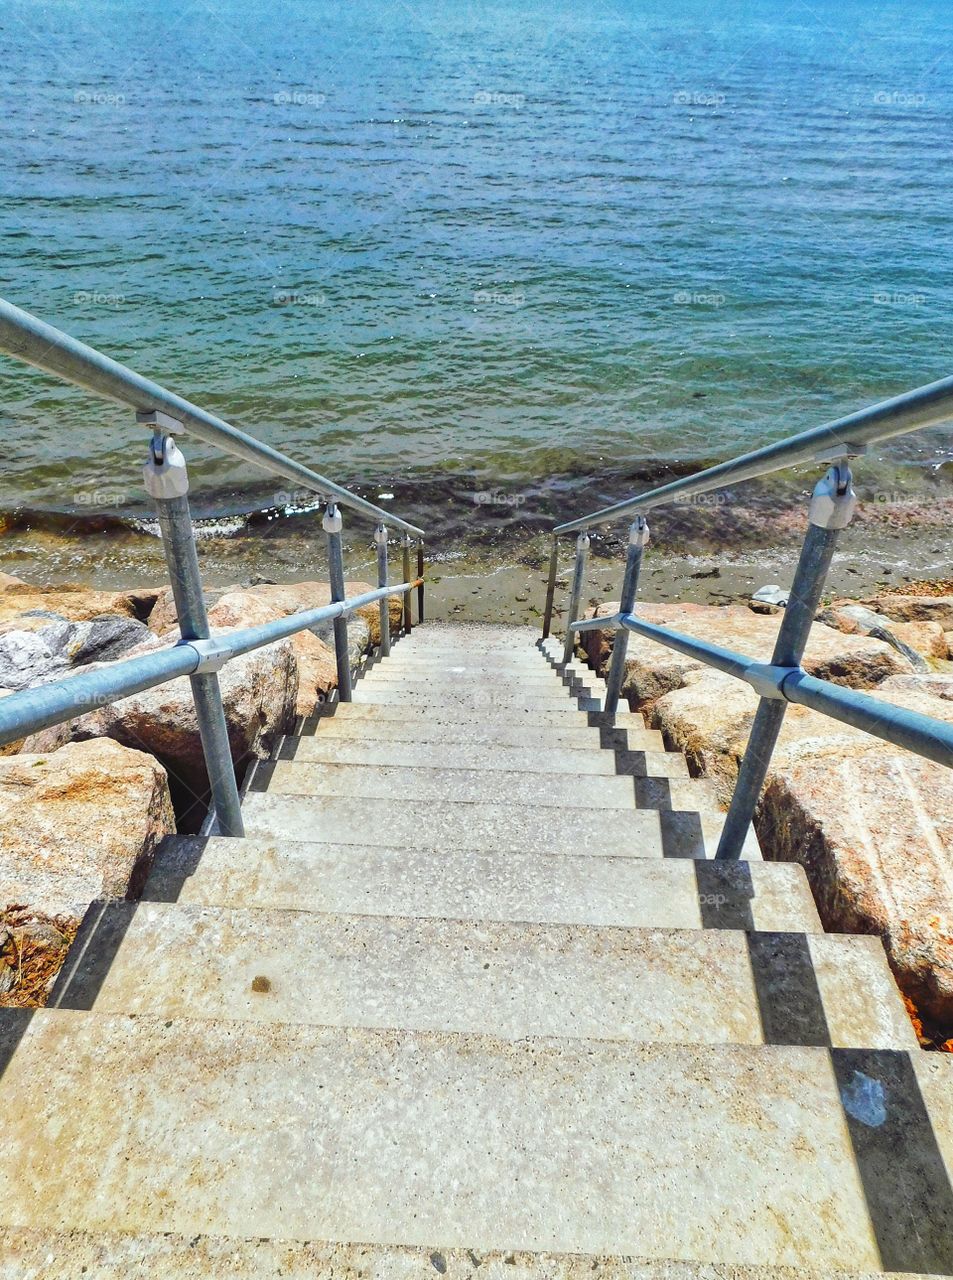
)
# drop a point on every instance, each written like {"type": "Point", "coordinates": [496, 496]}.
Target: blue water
{"type": "Point", "coordinates": [485, 242]}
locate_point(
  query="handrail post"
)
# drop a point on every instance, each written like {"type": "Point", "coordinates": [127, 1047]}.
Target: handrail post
{"type": "Point", "coordinates": [575, 596]}
{"type": "Point", "coordinates": [380, 537]}
{"type": "Point", "coordinates": [832, 505]}
{"type": "Point", "coordinates": [167, 483]}
{"type": "Point", "coordinates": [420, 576]}
{"type": "Point", "coordinates": [408, 603]}
{"type": "Point", "coordinates": [638, 537]}
{"type": "Point", "coordinates": [551, 587]}
{"type": "Point", "coordinates": [332, 525]}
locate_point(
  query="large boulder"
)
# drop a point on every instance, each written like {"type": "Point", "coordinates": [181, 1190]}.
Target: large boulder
{"type": "Point", "coordinates": [653, 670]}
{"type": "Point", "coordinates": [909, 608]}
{"type": "Point", "coordinates": [872, 824]}
{"type": "Point", "coordinates": [75, 603]}
{"type": "Point", "coordinates": [42, 646]}
{"type": "Point", "coordinates": [263, 602]}
{"type": "Point", "coordinates": [79, 825]}
{"type": "Point", "coordinates": [916, 641]}
{"type": "Point", "coordinates": [317, 671]}
{"type": "Point", "coordinates": [259, 693]}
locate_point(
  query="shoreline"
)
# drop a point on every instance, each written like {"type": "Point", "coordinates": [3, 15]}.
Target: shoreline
{"type": "Point", "coordinates": [503, 581]}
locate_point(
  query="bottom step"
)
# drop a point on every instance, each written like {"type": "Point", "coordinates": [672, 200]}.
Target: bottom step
{"type": "Point", "coordinates": [799, 1157]}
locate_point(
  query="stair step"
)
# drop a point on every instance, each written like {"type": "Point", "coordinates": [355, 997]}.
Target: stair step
{"type": "Point", "coordinates": [416, 783]}
{"type": "Point", "coordinates": [637, 833]}
{"type": "Point", "coordinates": [447, 678]}
{"type": "Point", "coordinates": [562, 714]}
{"type": "Point", "coordinates": [773, 1156]}
{"type": "Point", "coordinates": [452, 755]}
{"type": "Point", "coordinates": [500, 979]}
{"type": "Point", "coordinates": [559, 700]}
{"type": "Point", "coordinates": [479, 732]}
{"type": "Point", "coordinates": [469, 884]}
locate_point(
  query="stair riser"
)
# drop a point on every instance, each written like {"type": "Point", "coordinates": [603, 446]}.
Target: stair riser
{"type": "Point", "coordinates": [447, 678]}
{"type": "Point", "coordinates": [475, 885]}
{"type": "Point", "coordinates": [506, 980]}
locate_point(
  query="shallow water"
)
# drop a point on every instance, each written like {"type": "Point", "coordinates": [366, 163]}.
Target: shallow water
{"type": "Point", "coordinates": [504, 262]}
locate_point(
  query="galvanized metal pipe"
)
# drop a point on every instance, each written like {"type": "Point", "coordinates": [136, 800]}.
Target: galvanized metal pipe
{"type": "Point", "coordinates": [231, 644]}
{"type": "Point", "coordinates": [333, 525]}
{"type": "Point", "coordinates": [911, 730]}
{"type": "Point", "coordinates": [832, 505]}
{"type": "Point", "coordinates": [26, 338]}
{"type": "Point", "coordinates": [923, 735]}
{"type": "Point", "coordinates": [380, 538]}
{"type": "Point", "coordinates": [638, 537]}
{"type": "Point", "coordinates": [405, 566]}
{"type": "Point", "coordinates": [420, 581]}
{"type": "Point", "coordinates": [31, 710]}
{"type": "Point", "coordinates": [167, 483]}
{"type": "Point", "coordinates": [575, 595]}
{"type": "Point", "coordinates": [551, 588]}
{"type": "Point", "coordinates": [844, 437]}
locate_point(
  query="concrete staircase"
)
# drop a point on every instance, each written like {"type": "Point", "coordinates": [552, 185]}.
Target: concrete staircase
{"type": "Point", "coordinates": [472, 996]}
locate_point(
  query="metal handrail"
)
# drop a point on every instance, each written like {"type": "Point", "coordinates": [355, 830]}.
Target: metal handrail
{"type": "Point", "coordinates": [844, 437]}
{"type": "Point", "coordinates": [34, 342]}
{"type": "Point", "coordinates": [31, 710]}
{"type": "Point", "coordinates": [199, 655]}
{"type": "Point", "coordinates": [783, 679]}
{"type": "Point", "coordinates": [924, 735]}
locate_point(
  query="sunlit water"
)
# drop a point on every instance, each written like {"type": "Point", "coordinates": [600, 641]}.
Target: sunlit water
{"type": "Point", "coordinates": [502, 261]}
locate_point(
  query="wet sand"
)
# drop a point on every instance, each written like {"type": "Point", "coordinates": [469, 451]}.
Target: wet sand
{"type": "Point", "coordinates": [509, 585]}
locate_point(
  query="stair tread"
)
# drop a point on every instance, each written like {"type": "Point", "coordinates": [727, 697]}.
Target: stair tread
{"type": "Point", "coordinates": [506, 979]}
{"type": "Point", "coordinates": [732, 1155]}
{"type": "Point", "coordinates": [482, 884]}
{"type": "Point", "coordinates": [452, 755]}
{"type": "Point", "coordinates": [555, 717]}
{"type": "Point", "coordinates": [479, 731]}
{"type": "Point", "coordinates": [487, 696]}
{"type": "Point", "coordinates": [473, 825]}
{"type": "Point", "coordinates": [431, 783]}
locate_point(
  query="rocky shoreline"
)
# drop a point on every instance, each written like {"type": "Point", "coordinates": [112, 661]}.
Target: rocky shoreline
{"type": "Point", "coordinates": [871, 824]}
{"type": "Point", "coordinates": [84, 805]}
